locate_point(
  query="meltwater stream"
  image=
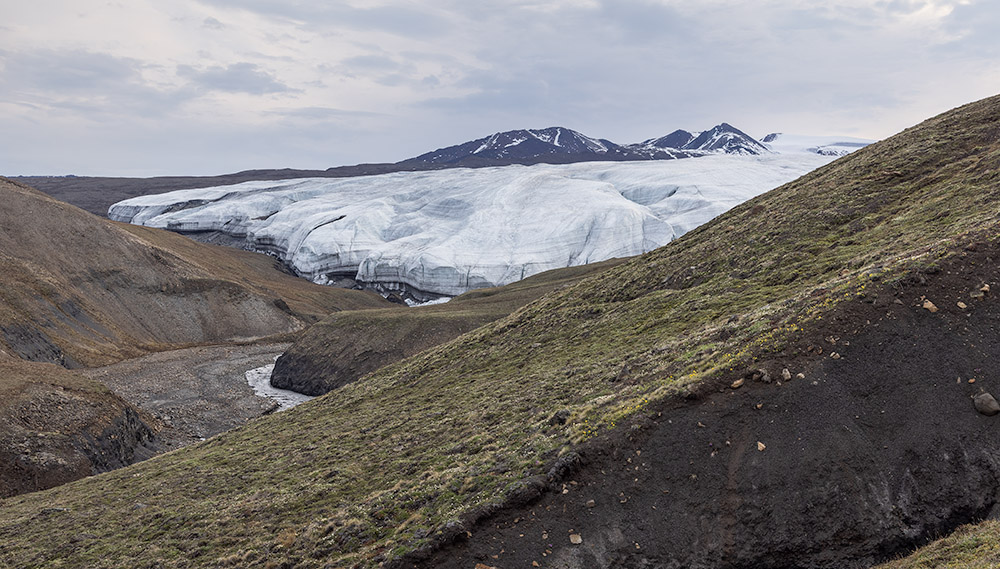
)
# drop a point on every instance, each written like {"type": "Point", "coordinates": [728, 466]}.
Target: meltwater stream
{"type": "Point", "coordinates": [260, 380]}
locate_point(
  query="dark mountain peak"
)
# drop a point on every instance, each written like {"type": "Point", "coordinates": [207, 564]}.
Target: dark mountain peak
{"type": "Point", "coordinates": [722, 138]}
{"type": "Point", "coordinates": [676, 139]}
{"type": "Point", "coordinates": [561, 145]}
{"type": "Point", "coordinates": [726, 138]}
{"type": "Point", "coordinates": [771, 137]}
{"type": "Point", "coordinates": [554, 144]}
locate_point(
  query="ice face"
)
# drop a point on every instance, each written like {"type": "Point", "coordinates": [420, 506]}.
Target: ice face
{"type": "Point", "coordinates": [449, 231]}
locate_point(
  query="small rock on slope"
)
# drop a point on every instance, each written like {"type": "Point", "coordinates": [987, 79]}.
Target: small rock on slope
{"type": "Point", "coordinates": [986, 404]}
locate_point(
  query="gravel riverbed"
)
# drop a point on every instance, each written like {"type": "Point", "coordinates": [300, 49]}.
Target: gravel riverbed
{"type": "Point", "coordinates": [195, 392]}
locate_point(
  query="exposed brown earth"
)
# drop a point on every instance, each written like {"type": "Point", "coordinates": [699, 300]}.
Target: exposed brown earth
{"type": "Point", "coordinates": [77, 290]}
{"type": "Point", "coordinates": [57, 426]}
{"type": "Point", "coordinates": [82, 291]}
{"type": "Point", "coordinates": [877, 449]}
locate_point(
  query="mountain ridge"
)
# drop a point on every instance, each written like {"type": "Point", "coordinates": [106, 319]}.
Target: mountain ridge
{"type": "Point", "coordinates": [97, 194]}
{"type": "Point", "coordinates": [560, 145]}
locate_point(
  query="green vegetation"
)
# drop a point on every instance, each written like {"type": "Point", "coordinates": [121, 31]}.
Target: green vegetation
{"type": "Point", "coordinates": [378, 467]}
{"type": "Point", "coordinates": [970, 547]}
{"type": "Point", "coordinates": [348, 344]}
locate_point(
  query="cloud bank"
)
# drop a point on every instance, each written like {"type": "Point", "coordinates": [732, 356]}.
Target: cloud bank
{"type": "Point", "coordinates": [214, 86]}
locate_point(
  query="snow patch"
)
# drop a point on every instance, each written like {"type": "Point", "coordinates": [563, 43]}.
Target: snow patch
{"type": "Point", "coordinates": [260, 380]}
{"type": "Point", "coordinates": [806, 144]}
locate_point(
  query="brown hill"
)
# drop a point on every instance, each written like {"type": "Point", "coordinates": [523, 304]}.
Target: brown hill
{"type": "Point", "coordinates": [628, 421]}
{"type": "Point", "coordinates": [77, 290]}
{"type": "Point", "coordinates": [81, 290]}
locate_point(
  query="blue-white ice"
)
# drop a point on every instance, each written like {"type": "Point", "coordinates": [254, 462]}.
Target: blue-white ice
{"type": "Point", "coordinates": [449, 231]}
{"type": "Point", "coordinates": [260, 380]}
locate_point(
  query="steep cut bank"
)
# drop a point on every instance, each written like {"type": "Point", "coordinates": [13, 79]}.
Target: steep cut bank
{"type": "Point", "coordinates": [877, 448]}
{"type": "Point", "coordinates": [80, 290]}
{"type": "Point", "coordinates": [345, 346]}
{"type": "Point", "coordinates": [410, 456]}
{"type": "Point", "coordinates": [57, 426]}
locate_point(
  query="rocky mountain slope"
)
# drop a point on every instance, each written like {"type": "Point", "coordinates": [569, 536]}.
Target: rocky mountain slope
{"type": "Point", "coordinates": [643, 417]}
{"type": "Point", "coordinates": [443, 233]}
{"type": "Point", "coordinates": [553, 145]}
{"type": "Point", "coordinates": [558, 145]}
{"type": "Point", "coordinates": [723, 138]}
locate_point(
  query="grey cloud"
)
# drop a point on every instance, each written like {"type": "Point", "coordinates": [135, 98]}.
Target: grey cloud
{"type": "Point", "coordinates": [371, 62]}
{"type": "Point", "coordinates": [407, 20]}
{"type": "Point", "coordinates": [630, 64]}
{"type": "Point", "coordinates": [235, 78]}
{"type": "Point", "coordinates": [91, 84]}
{"type": "Point", "coordinates": [639, 22]}
{"type": "Point", "coordinates": [383, 70]}
{"type": "Point", "coordinates": [323, 113]}
{"type": "Point", "coordinates": [977, 25]}
{"type": "Point", "coordinates": [621, 69]}
{"type": "Point", "coordinates": [213, 24]}
{"type": "Point", "coordinates": [69, 70]}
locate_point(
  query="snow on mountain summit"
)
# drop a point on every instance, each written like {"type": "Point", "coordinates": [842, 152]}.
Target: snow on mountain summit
{"type": "Point", "coordinates": [527, 146]}
{"type": "Point", "coordinates": [720, 139]}
{"type": "Point", "coordinates": [559, 145]}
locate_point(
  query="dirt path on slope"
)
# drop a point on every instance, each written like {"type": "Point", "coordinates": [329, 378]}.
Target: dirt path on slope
{"type": "Point", "coordinates": [195, 392]}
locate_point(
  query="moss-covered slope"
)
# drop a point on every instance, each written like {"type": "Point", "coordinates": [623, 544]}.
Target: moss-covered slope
{"type": "Point", "coordinates": [389, 464]}
{"type": "Point", "coordinates": [347, 345]}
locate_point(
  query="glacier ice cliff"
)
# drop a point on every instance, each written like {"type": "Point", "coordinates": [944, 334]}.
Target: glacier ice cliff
{"type": "Point", "coordinates": [445, 232]}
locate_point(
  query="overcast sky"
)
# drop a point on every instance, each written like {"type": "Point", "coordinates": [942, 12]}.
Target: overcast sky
{"type": "Point", "coordinates": [147, 87]}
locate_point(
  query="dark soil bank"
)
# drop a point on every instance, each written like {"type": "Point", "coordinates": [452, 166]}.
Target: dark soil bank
{"type": "Point", "coordinates": [879, 448]}
{"type": "Point", "coordinates": [55, 435]}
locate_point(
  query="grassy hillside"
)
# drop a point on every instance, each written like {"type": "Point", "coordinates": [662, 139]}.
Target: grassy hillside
{"type": "Point", "coordinates": [80, 290]}
{"type": "Point", "coordinates": [389, 464]}
{"type": "Point", "coordinates": [347, 345]}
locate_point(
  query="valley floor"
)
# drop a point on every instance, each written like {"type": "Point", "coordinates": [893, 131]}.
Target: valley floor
{"type": "Point", "coordinates": [195, 392]}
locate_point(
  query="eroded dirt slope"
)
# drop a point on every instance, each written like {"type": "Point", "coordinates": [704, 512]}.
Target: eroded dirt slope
{"type": "Point", "coordinates": [877, 449]}
{"type": "Point", "coordinates": [57, 426]}
{"type": "Point", "coordinates": [77, 290]}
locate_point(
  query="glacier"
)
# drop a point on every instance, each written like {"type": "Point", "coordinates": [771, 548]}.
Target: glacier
{"type": "Point", "coordinates": [440, 233]}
